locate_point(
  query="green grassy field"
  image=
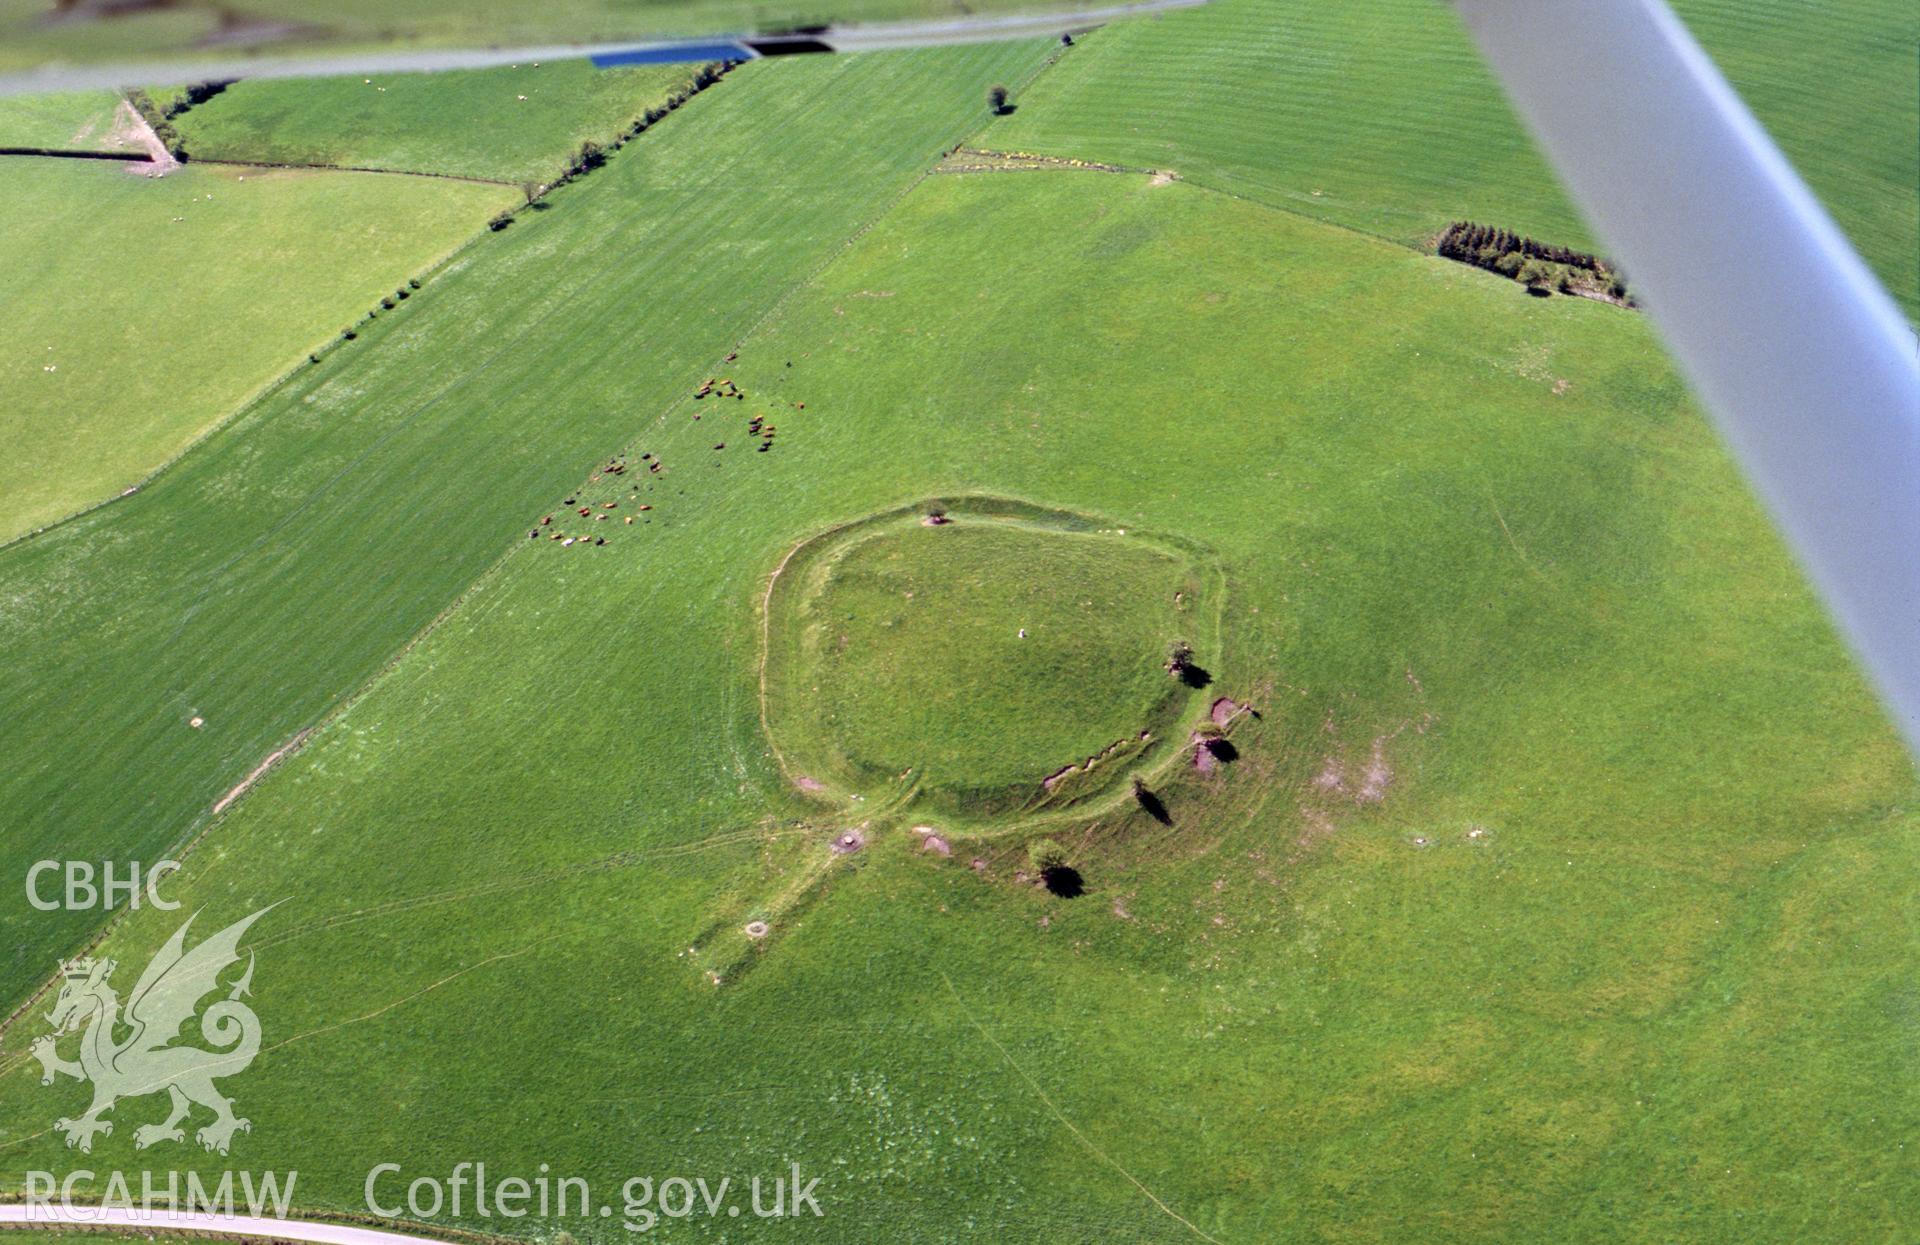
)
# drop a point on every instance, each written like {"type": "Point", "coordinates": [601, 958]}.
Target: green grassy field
{"type": "Point", "coordinates": [289, 557]}
{"type": "Point", "coordinates": [515, 125]}
{"type": "Point", "coordinates": [75, 120]}
{"type": "Point", "coordinates": [1560, 875]}
{"type": "Point", "coordinates": [1566, 847]}
{"type": "Point", "coordinates": [1381, 117]}
{"type": "Point", "coordinates": [145, 311]}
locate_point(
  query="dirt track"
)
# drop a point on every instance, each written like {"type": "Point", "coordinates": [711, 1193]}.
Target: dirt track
{"type": "Point", "coordinates": [254, 1227]}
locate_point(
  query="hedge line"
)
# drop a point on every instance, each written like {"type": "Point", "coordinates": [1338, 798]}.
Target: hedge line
{"type": "Point", "coordinates": [157, 120]}
{"type": "Point", "coordinates": [592, 155]}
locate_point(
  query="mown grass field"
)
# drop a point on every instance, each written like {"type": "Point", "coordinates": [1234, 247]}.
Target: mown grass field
{"type": "Point", "coordinates": [144, 311]}
{"type": "Point", "coordinates": [1381, 117]}
{"type": "Point", "coordinates": [1566, 854]}
{"type": "Point", "coordinates": [521, 124]}
{"type": "Point", "coordinates": [74, 120]}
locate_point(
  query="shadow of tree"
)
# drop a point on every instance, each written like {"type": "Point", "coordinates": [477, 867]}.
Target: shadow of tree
{"type": "Point", "coordinates": [1064, 881]}
{"type": "Point", "coordinates": [1156, 807]}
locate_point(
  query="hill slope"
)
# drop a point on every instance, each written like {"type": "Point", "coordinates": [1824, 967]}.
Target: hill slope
{"type": "Point", "coordinates": [1381, 117]}
{"type": "Point", "coordinates": [1565, 816]}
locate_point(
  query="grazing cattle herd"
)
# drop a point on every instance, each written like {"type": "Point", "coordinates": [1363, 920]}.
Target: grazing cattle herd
{"type": "Point", "coordinates": [758, 428]}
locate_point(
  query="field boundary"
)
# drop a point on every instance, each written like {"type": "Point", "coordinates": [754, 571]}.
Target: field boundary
{"type": "Point", "coordinates": [349, 168]}
{"type": "Point", "coordinates": [66, 153]}
{"type": "Point", "coordinates": [964, 159]}
{"type": "Point", "coordinates": [779, 305]}
{"type": "Point", "coordinates": [676, 101]}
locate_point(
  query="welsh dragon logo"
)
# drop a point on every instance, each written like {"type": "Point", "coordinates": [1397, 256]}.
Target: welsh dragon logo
{"type": "Point", "coordinates": [134, 1054]}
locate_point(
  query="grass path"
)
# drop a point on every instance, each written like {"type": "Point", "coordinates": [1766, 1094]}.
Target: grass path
{"type": "Point", "coordinates": [1040, 1092]}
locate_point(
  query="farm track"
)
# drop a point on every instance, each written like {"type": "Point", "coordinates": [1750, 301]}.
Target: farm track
{"type": "Point", "coordinates": [131, 125]}
{"type": "Point", "coordinates": [208, 1226]}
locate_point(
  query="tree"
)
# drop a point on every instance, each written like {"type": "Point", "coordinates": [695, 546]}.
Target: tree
{"type": "Point", "coordinates": [1044, 854]}
{"type": "Point", "coordinates": [1179, 657]}
{"type": "Point", "coordinates": [997, 100]}
{"type": "Point", "coordinates": [196, 94]}
{"type": "Point", "coordinates": [530, 191]}
{"type": "Point", "coordinates": [1535, 276]}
